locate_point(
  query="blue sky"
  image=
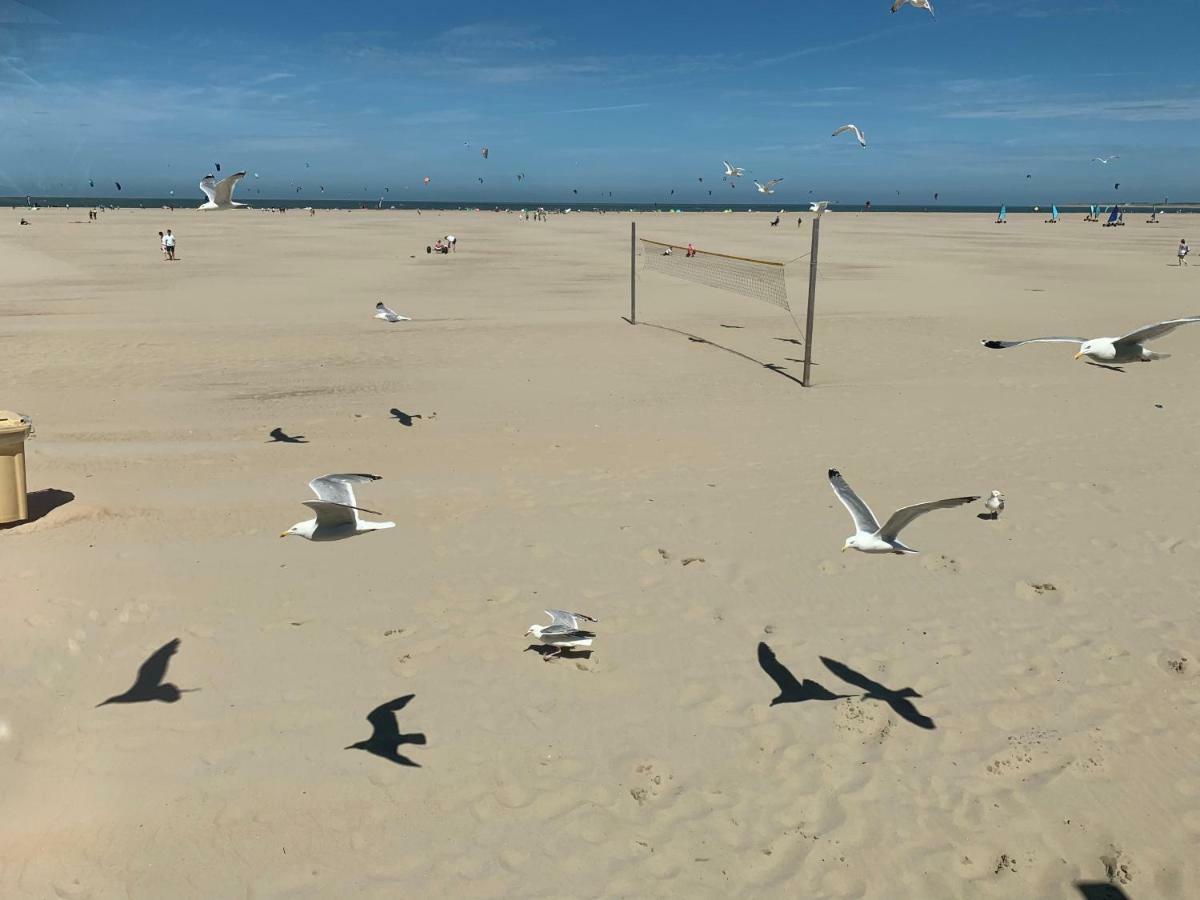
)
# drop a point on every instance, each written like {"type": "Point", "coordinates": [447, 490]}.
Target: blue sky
{"type": "Point", "coordinates": [637, 99]}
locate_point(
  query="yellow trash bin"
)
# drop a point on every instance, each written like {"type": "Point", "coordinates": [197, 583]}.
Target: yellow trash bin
{"type": "Point", "coordinates": [14, 428]}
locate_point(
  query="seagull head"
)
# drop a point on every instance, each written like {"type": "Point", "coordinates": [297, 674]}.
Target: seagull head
{"type": "Point", "coordinates": [997, 495]}
{"type": "Point", "coordinates": [1098, 350]}
{"type": "Point", "coordinates": [535, 630]}
{"type": "Point", "coordinates": [304, 529]}
{"type": "Point", "coordinates": [851, 543]}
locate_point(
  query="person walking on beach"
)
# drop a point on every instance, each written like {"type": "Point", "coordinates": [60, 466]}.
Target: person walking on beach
{"type": "Point", "coordinates": [169, 244]}
{"type": "Point", "coordinates": [452, 241]}
{"type": "Point", "coordinates": [162, 244]}
{"type": "Point", "coordinates": [1183, 251]}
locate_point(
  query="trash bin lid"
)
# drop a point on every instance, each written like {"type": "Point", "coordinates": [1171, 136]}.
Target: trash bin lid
{"type": "Point", "coordinates": [12, 422]}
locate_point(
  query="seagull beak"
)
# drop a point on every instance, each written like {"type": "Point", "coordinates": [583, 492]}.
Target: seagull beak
{"type": "Point", "coordinates": [844, 548]}
{"type": "Point", "coordinates": [529, 632]}
{"type": "Point", "coordinates": [284, 534]}
{"type": "Point", "coordinates": [1079, 354]}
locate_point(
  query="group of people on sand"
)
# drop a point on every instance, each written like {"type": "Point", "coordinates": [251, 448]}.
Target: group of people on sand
{"type": "Point", "coordinates": [167, 241]}
{"type": "Point", "coordinates": [443, 245]}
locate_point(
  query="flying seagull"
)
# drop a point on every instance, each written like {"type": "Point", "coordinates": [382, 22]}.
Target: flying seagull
{"type": "Point", "coordinates": [563, 632]}
{"type": "Point", "coordinates": [868, 536]}
{"type": "Point", "coordinates": [149, 684]}
{"type": "Point", "coordinates": [389, 315]}
{"type": "Point", "coordinates": [337, 510]}
{"type": "Point", "coordinates": [220, 193]}
{"type": "Point", "coordinates": [916, 4]}
{"type": "Point", "coordinates": [385, 739]}
{"type": "Point", "coordinates": [818, 206]}
{"type": "Point", "coordinates": [769, 187]}
{"type": "Point", "coordinates": [862, 138]}
{"type": "Point", "coordinates": [732, 171]}
{"type": "Point", "coordinates": [1125, 349]}
{"type": "Point", "coordinates": [1104, 159]}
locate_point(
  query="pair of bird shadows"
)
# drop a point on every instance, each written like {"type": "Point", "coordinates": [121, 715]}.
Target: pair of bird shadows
{"type": "Point", "coordinates": [792, 690]}
{"type": "Point", "coordinates": [385, 740]}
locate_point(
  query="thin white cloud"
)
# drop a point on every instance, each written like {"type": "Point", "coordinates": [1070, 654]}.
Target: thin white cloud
{"type": "Point", "coordinates": [13, 13]}
{"type": "Point", "coordinates": [596, 109]}
{"type": "Point", "coordinates": [274, 76]}
{"type": "Point", "coordinates": [822, 48]}
{"type": "Point", "coordinates": [1150, 109]}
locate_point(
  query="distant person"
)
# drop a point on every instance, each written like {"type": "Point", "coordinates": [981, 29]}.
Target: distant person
{"type": "Point", "coordinates": [1183, 251]}
{"type": "Point", "coordinates": [162, 244]}
{"type": "Point", "coordinates": [691, 251]}
{"type": "Point", "coordinates": [169, 244]}
{"type": "Point", "coordinates": [452, 241]}
{"type": "Point", "coordinates": [799, 221]}
{"type": "Point", "coordinates": [775, 221]}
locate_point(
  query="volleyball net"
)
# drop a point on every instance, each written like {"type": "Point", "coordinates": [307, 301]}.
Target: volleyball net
{"type": "Point", "coordinates": [758, 279]}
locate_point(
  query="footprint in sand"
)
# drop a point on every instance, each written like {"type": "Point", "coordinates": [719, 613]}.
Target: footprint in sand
{"type": "Point", "coordinates": [831, 567]}
{"type": "Point", "coordinates": [1029, 590]}
{"type": "Point", "coordinates": [1118, 867]}
{"type": "Point", "coordinates": [940, 564]}
{"type": "Point", "coordinates": [1176, 663]}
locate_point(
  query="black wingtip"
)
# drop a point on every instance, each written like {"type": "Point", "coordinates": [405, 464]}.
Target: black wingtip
{"type": "Point", "coordinates": [834, 473]}
{"type": "Point", "coordinates": [993, 345]}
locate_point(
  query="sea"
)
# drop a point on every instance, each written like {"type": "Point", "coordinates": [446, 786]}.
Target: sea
{"type": "Point", "coordinates": [576, 206]}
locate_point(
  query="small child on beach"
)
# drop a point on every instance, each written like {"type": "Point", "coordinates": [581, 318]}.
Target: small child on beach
{"type": "Point", "coordinates": [1183, 251]}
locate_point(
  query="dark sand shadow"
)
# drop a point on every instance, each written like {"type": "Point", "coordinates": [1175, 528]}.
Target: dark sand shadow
{"type": "Point", "coordinates": [1100, 890]}
{"type": "Point", "coordinates": [278, 436]}
{"type": "Point", "coordinates": [149, 684]}
{"type": "Point", "coordinates": [790, 689]}
{"type": "Point", "coordinates": [386, 737]}
{"type": "Point", "coordinates": [872, 690]}
{"type": "Point", "coordinates": [42, 503]}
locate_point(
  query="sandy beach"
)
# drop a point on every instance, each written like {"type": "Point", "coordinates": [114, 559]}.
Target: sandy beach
{"type": "Point", "coordinates": [549, 455]}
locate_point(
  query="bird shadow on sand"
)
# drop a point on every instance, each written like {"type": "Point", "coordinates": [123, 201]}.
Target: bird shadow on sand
{"type": "Point", "coordinates": [790, 689]}
{"type": "Point", "coordinates": [149, 684]}
{"type": "Point", "coordinates": [405, 419]}
{"type": "Point", "coordinates": [42, 503]}
{"type": "Point", "coordinates": [386, 738]}
{"type": "Point", "coordinates": [547, 653]}
{"type": "Point", "coordinates": [899, 701]}
{"type": "Point", "coordinates": [988, 517]}
{"type": "Point", "coordinates": [279, 436]}
{"type": "Point", "coordinates": [1100, 890]}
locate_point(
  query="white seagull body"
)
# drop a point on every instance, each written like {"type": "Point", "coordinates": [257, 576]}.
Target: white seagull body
{"type": "Point", "coordinates": [733, 171]}
{"type": "Point", "coordinates": [389, 315]}
{"type": "Point", "coordinates": [995, 504]}
{"type": "Point", "coordinates": [1109, 350]}
{"type": "Point", "coordinates": [1104, 159]}
{"type": "Point", "coordinates": [862, 138]}
{"type": "Point", "coordinates": [337, 510]}
{"type": "Point", "coordinates": [769, 187]}
{"type": "Point", "coordinates": [563, 632]}
{"type": "Point", "coordinates": [220, 193]}
{"type": "Point", "coordinates": [869, 536]}
{"type": "Point", "coordinates": [916, 4]}
{"type": "Point", "coordinates": [818, 206]}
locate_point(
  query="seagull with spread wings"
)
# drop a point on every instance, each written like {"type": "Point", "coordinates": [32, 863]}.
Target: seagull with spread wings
{"type": "Point", "coordinates": [869, 536]}
{"type": "Point", "coordinates": [732, 171]}
{"type": "Point", "coordinates": [220, 193]}
{"type": "Point", "coordinates": [563, 632]}
{"type": "Point", "coordinates": [862, 138]}
{"type": "Point", "coordinates": [769, 187]}
{"type": "Point", "coordinates": [1128, 348]}
{"type": "Point", "coordinates": [337, 510]}
{"type": "Point", "coordinates": [915, 4]}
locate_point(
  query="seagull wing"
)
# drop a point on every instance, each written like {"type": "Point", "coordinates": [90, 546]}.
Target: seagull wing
{"type": "Point", "coordinates": [208, 185]}
{"type": "Point", "coordinates": [864, 519]}
{"type": "Point", "coordinates": [1004, 345]}
{"type": "Point", "coordinates": [728, 167]}
{"type": "Point", "coordinates": [902, 517]}
{"type": "Point", "coordinates": [1150, 332]}
{"type": "Point", "coordinates": [563, 633]}
{"type": "Point", "coordinates": [566, 619]}
{"type": "Point", "coordinates": [337, 488]}
{"type": "Point", "coordinates": [335, 515]}
{"type": "Point", "coordinates": [224, 188]}
{"type": "Point", "coordinates": [850, 676]}
{"type": "Point", "coordinates": [844, 129]}
{"type": "Point", "coordinates": [387, 311]}
{"type": "Point", "coordinates": [773, 182]}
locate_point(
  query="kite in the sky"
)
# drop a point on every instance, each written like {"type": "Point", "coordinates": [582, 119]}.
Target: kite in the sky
{"type": "Point", "coordinates": [118, 184]}
{"type": "Point", "coordinates": [1117, 186]}
{"type": "Point", "coordinates": [484, 151]}
{"type": "Point", "coordinates": [91, 183]}
{"type": "Point", "coordinates": [218, 165]}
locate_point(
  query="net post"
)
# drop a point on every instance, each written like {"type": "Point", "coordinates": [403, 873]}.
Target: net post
{"type": "Point", "coordinates": [633, 273]}
{"type": "Point", "coordinates": [812, 299]}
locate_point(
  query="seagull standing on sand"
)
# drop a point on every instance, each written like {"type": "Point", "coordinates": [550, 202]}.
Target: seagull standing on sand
{"type": "Point", "coordinates": [916, 4]}
{"type": "Point", "coordinates": [769, 187]}
{"type": "Point", "coordinates": [732, 171]}
{"type": "Point", "coordinates": [995, 504]}
{"type": "Point", "coordinates": [563, 632]}
{"type": "Point", "coordinates": [862, 138]}
{"type": "Point", "coordinates": [337, 510]}
{"type": "Point", "coordinates": [220, 193]}
{"type": "Point", "coordinates": [868, 536]}
{"type": "Point", "coordinates": [1109, 350]}
{"type": "Point", "coordinates": [389, 315]}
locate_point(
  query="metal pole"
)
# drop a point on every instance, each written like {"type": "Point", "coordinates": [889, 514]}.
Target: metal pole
{"type": "Point", "coordinates": [812, 299]}
{"type": "Point", "coordinates": [633, 273]}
